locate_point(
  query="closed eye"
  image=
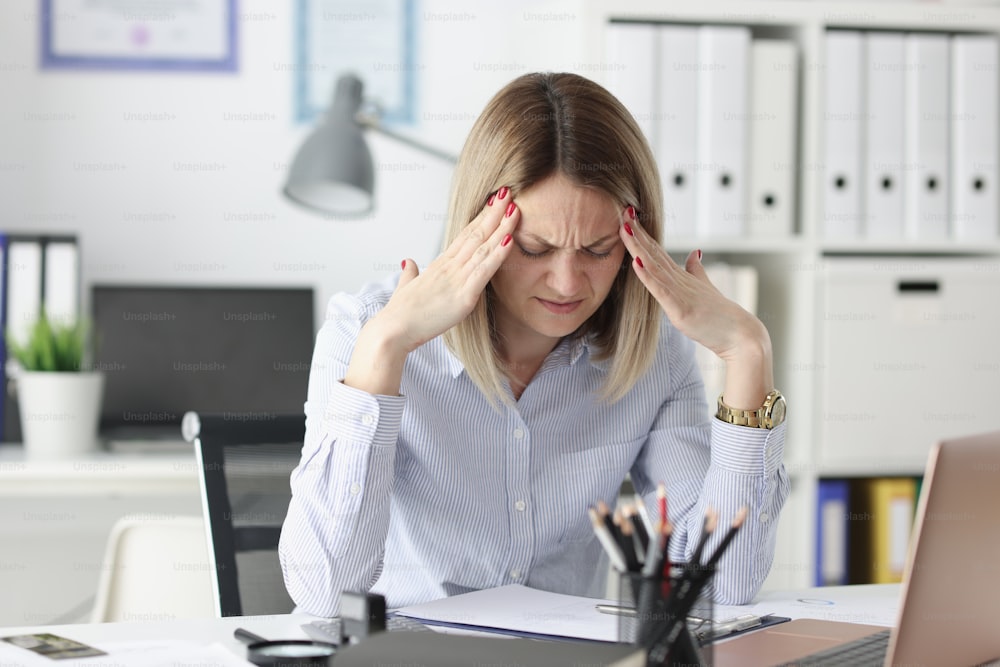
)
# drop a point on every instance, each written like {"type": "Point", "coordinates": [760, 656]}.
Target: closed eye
{"type": "Point", "coordinates": [529, 253]}
{"type": "Point", "coordinates": [541, 253]}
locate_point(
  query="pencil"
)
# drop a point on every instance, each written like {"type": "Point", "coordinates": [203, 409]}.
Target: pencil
{"type": "Point", "coordinates": [640, 506]}
{"type": "Point", "coordinates": [628, 547]}
{"type": "Point", "coordinates": [665, 564]}
{"type": "Point", "coordinates": [607, 541]}
{"type": "Point", "coordinates": [656, 551]}
{"type": "Point", "coordinates": [639, 530]}
{"type": "Point", "coordinates": [661, 499]}
{"type": "Point", "coordinates": [730, 534]}
{"type": "Point", "coordinates": [711, 519]}
{"type": "Point", "coordinates": [605, 513]}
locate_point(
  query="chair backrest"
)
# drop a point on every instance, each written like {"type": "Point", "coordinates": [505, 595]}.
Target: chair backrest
{"type": "Point", "coordinates": [244, 468]}
{"type": "Point", "coordinates": [155, 568]}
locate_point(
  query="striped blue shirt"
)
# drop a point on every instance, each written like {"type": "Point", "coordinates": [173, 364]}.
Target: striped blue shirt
{"type": "Point", "coordinates": [434, 492]}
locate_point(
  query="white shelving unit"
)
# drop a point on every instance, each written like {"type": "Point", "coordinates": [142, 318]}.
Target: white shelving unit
{"type": "Point", "coordinates": [791, 269]}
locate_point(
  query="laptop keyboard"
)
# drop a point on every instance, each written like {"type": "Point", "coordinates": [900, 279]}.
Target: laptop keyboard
{"type": "Point", "coordinates": [863, 652]}
{"type": "Point", "coordinates": [329, 630]}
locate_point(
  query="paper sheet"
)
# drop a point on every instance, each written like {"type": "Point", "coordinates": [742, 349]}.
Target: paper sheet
{"type": "Point", "coordinates": [160, 653]}
{"type": "Point", "coordinates": [529, 611]}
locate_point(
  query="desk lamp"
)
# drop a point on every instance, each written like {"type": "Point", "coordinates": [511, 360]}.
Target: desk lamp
{"type": "Point", "coordinates": [332, 172]}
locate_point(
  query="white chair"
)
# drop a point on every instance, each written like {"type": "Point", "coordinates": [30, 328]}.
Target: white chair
{"type": "Point", "coordinates": [154, 569]}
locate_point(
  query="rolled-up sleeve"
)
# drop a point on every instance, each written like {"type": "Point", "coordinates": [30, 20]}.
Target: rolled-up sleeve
{"type": "Point", "coordinates": [333, 537]}
{"type": "Point", "coordinates": [705, 462]}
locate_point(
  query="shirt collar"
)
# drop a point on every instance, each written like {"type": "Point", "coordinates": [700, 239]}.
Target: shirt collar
{"type": "Point", "coordinates": [566, 353]}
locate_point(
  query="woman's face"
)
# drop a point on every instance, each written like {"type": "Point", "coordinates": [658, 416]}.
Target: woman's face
{"type": "Point", "coordinates": [566, 257]}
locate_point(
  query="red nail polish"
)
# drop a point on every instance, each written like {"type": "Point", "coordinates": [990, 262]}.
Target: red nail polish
{"type": "Point", "coordinates": [630, 212]}
{"type": "Point", "coordinates": [402, 265]}
{"type": "Point", "coordinates": [510, 209]}
{"type": "Point", "coordinates": [628, 230]}
{"type": "Point", "coordinates": [506, 239]}
{"type": "Point", "coordinates": [489, 202]}
{"type": "Point", "coordinates": [503, 192]}
{"type": "Point", "coordinates": [699, 253]}
{"type": "Point", "coordinates": [638, 260]}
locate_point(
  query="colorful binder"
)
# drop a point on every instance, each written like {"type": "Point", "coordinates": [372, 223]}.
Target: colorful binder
{"type": "Point", "coordinates": [884, 509]}
{"type": "Point", "coordinates": [832, 537]}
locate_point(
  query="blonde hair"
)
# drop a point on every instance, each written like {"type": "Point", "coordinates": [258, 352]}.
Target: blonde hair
{"type": "Point", "coordinates": [538, 125]}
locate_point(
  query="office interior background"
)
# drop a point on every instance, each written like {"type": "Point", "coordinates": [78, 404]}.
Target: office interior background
{"type": "Point", "coordinates": [174, 178]}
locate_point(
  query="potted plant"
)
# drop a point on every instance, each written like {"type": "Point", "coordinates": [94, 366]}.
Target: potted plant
{"type": "Point", "coordinates": [59, 399]}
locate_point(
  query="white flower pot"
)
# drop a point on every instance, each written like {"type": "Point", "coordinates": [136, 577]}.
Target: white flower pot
{"type": "Point", "coordinates": [59, 412]}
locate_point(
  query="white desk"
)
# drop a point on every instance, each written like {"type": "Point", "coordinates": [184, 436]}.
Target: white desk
{"type": "Point", "coordinates": [100, 473]}
{"type": "Point", "coordinates": [840, 603]}
{"type": "Point", "coordinates": [206, 632]}
{"type": "Point", "coordinates": [57, 515]}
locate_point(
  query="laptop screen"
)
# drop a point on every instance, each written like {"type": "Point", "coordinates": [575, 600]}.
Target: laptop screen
{"type": "Point", "coordinates": [166, 350]}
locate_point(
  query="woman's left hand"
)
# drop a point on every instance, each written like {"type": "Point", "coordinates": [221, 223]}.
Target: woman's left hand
{"type": "Point", "coordinates": [699, 310]}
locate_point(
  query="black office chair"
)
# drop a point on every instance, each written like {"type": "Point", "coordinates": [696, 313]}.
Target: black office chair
{"type": "Point", "coordinates": [244, 469]}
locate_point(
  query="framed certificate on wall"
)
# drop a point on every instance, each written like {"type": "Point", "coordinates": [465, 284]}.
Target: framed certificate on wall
{"type": "Point", "coordinates": [188, 35]}
{"type": "Point", "coordinates": [373, 39]}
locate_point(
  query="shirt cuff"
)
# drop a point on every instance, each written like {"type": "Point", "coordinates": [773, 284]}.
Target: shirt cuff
{"type": "Point", "coordinates": [353, 415]}
{"type": "Point", "coordinates": [747, 450]}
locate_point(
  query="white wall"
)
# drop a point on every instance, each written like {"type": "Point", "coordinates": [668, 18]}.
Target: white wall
{"type": "Point", "coordinates": [74, 158]}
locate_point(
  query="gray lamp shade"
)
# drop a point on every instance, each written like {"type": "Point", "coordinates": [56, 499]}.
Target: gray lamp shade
{"type": "Point", "coordinates": [333, 171]}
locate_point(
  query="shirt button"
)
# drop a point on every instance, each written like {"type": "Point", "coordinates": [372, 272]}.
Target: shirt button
{"type": "Point", "coordinates": [355, 489]}
{"type": "Point", "coordinates": [764, 517]}
{"type": "Point", "coordinates": [367, 420]}
{"type": "Point", "coordinates": [515, 574]}
{"type": "Point", "coordinates": [518, 433]}
{"type": "Point", "coordinates": [520, 505]}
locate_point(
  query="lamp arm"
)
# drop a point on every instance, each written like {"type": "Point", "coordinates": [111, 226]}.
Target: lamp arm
{"type": "Point", "coordinates": [372, 123]}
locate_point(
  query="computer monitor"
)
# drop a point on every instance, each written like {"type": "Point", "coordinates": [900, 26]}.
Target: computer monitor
{"type": "Point", "coordinates": [164, 350]}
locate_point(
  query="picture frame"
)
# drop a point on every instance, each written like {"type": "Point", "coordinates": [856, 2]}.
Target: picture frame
{"type": "Point", "coordinates": [374, 39]}
{"type": "Point", "coordinates": [166, 35]}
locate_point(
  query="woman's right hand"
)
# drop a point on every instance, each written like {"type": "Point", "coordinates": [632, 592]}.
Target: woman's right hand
{"type": "Point", "coordinates": [425, 305]}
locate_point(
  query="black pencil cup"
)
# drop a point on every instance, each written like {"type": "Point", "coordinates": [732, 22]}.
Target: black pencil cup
{"type": "Point", "coordinates": [648, 617]}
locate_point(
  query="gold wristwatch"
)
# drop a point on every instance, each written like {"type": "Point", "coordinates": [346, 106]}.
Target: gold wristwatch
{"type": "Point", "coordinates": [767, 416]}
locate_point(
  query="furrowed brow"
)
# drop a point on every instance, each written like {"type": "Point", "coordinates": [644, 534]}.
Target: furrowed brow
{"type": "Point", "coordinates": [538, 239]}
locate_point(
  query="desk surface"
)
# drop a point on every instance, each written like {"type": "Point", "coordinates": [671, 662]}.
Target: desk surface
{"type": "Point", "coordinates": [99, 473]}
{"type": "Point", "coordinates": [863, 604]}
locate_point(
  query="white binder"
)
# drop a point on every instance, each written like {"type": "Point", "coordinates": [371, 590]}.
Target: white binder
{"type": "Point", "coordinates": [62, 282]}
{"type": "Point", "coordinates": [974, 137]}
{"type": "Point", "coordinates": [24, 288]}
{"type": "Point", "coordinates": [926, 178]}
{"type": "Point", "coordinates": [724, 57]}
{"type": "Point", "coordinates": [677, 148]}
{"type": "Point", "coordinates": [632, 58]}
{"type": "Point", "coordinates": [882, 194]}
{"type": "Point", "coordinates": [773, 122]}
{"type": "Point", "coordinates": [842, 136]}
{"type": "Point", "coordinates": [738, 283]}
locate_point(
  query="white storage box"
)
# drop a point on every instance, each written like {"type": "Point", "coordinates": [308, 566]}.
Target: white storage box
{"type": "Point", "coordinates": [909, 352]}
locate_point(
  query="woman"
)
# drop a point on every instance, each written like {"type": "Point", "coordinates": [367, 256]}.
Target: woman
{"type": "Point", "coordinates": [459, 423]}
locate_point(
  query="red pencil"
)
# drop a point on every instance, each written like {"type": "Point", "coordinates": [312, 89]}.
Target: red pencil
{"type": "Point", "coordinates": [661, 497]}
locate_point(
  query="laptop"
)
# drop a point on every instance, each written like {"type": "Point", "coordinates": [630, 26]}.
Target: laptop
{"type": "Point", "coordinates": [949, 613]}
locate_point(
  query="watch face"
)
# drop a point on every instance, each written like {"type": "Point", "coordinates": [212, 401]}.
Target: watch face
{"type": "Point", "coordinates": [778, 411]}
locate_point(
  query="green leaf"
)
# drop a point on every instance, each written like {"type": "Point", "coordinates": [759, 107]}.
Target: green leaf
{"type": "Point", "coordinates": [55, 348]}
